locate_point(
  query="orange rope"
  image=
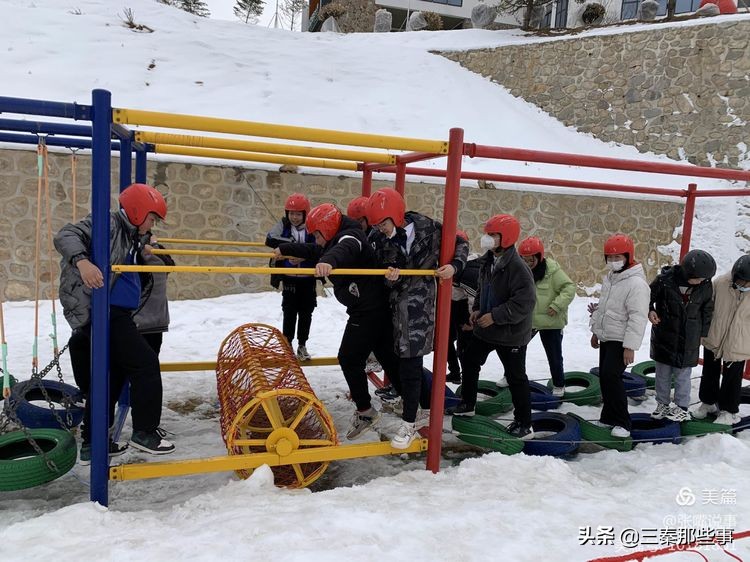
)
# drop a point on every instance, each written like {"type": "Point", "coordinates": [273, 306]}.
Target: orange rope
{"type": "Point", "coordinates": [37, 250]}
{"type": "Point", "coordinates": [50, 249]}
{"type": "Point", "coordinates": [73, 164]}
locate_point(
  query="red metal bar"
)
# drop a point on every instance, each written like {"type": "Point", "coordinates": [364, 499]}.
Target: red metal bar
{"type": "Point", "coordinates": [687, 223]}
{"type": "Point", "coordinates": [746, 374]}
{"type": "Point", "coordinates": [723, 193]}
{"type": "Point", "coordinates": [373, 166]}
{"type": "Point", "coordinates": [416, 157]}
{"type": "Point", "coordinates": [400, 178]}
{"type": "Point", "coordinates": [443, 312]}
{"type": "Point", "coordinates": [477, 150]}
{"type": "Point", "coordinates": [529, 180]}
{"type": "Point", "coordinates": [366, 183]}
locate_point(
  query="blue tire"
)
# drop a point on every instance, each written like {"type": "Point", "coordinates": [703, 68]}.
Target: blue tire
{"type": "Point", "coordinates": [563, 441]}
{"type": "Point", "coordinates": [33, 416]}
{"type": "Point", "coordinates": [741, 425]}
{"type": "Point", "coordinates": [635, 385]}
{"type": "Point", "coordinates": [648, 430]}
{"type": "Point", "coordinates": [542, 398]}
{"type": "Point", "coordinates": [451, 400]}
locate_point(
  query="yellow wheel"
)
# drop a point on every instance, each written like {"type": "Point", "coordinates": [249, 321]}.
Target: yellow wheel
{"type": "Point", "coordinates": [282, 421]}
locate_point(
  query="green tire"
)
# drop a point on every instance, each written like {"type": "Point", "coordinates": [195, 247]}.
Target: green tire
{"type": "Point", "coordinates": [484, 432]}
{"type": "Point", "coordinates": [602, 435]}
{"type": "Point", "coordinates": [499, 400]}
{"type": "Point", "coordinates": [22, 467]}
{"type": "Point", "coordinates": [702, 427]}
{"type": "Point", "coordinates": [647, 370]}
{"type": "Point", "coordinates": [590, 395]}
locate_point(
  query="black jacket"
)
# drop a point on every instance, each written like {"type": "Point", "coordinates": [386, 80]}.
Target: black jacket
{"type": "Point", "coordinates": [349, 248]}
{"type": "Point", "coordinates": [676, 339]}
{"type": "Point", "coordinates": [509, 294]}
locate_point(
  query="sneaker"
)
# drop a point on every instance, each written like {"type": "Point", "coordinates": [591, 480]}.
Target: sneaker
{"type": "Point", "coordinates": [727, 418]}
{"type": "Point", "coordinates": [423, 419]}
{"type": "Point", "coordinates": [362, 421]}
{"type": "Point", "coordinates": [373, 365]}
{"type": "Point", "coordinates": [387, 394]}
{"type": "Point", "coordinates": [525, 432]}
{"type": "Point", "coordinates": [620, 432]}
{"type": "Point", "coordinates": [405, 435]}
{"type": "Point", "coordinates": [453, 378]}
{"type": "Point", "coordinates": [502, 383]}
{"type": "Point", "coordinates": [302, 353]}
{"type": "Point", "coordinates": [677, 414]}
{"type": "Point", "coordinates": [703, 410]}
{"type": "Point", "coordinates": [558, 391]}
{"type": "Point", "coordinates": [396, 407]}
{"type": "Point", "coordinates": [661, 411]}
{"type": "Point", "coordinates": [115, 450]}
{"type": "Point", "coordinates": [462, 409]}
{"type": "Point", "coordinates": [151, 442]}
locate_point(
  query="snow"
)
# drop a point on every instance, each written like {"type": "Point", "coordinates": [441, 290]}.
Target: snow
{"type": "Point", "coordinates": [510, 508]}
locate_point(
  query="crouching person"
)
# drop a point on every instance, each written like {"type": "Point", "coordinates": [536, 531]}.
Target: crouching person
{"type": "Point", "coordinates": [131, 357]}
{"type": "Point", "coordinates": [341, 243]}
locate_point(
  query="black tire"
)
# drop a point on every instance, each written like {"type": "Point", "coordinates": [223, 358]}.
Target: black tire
{"type": "Point", "coordinates": [745, 395]}
{"type": "Point", "coordinates": [22, 467]}
{"type": "Point", "coordinates": [542, 398]}
{"type": "Point", "coordinates": [487, 433]}
{"type": "Point", "coordinates": [588, 396]}
{"type": "Point", "coordinates": [647, 370]}
{"type": "Point", "coordinates": [33, 416]}
{"type": "Point", "coordinates": [563, 442]}
{"type": "Point", "coordinates": [602, 435]}
{"type": "Point", "coordinates": [635, 385]}
{"type": "Point", "coordinates": [741, 425]}
{"type": "Point", "coordinates": [648, 430]}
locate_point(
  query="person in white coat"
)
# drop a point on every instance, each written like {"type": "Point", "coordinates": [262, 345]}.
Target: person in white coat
{"type": "Point", "coordinates": [618, 323]}
{"type": "Point", "coordinates": [726, 348]}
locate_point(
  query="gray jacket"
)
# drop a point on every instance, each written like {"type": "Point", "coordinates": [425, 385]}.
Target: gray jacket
{"type": "Point", "coordinates": [75, 240]}
{"type": "Point", "coordinates": [153, 314]}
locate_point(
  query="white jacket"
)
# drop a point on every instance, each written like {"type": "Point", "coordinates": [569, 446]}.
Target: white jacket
{"type": "Point", "coordinates": [622, 314]}
{"type": "Point", "coordinates": [729, 335]}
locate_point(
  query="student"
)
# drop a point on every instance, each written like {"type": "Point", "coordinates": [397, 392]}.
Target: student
{"type": "Point", "coordinates": [554, 293]}
{"type": "Point", "coordinates": [727, 346]}
{"type": "Point", "coordinates": [680, 312]}
{"type": "Point", "coordinates": [357, 210]}
{"type": "Point", "coordinates": [501, 318]}
{"type": "Point", "coordinates": [341, 243]}
{"type": "Point", "coordinates": [298, 298]}
{"type": "Point", "coordinates": [410, 240]}
{"type": "Point", "coordinates": [618, 323]}
{"type": "Point", "coordinates": [131, 358]}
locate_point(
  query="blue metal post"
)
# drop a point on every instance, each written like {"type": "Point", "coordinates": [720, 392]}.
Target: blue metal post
{"type": "Point", "coordinates": [140, 165]}
{"type": "Point", "coordinates": [99, 395]}
{"type": "Point", "coordinates": [68, 142]}
{"type": "Point", "coordinates": [126, 163]}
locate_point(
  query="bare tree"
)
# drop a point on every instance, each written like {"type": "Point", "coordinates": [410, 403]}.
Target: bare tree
{"type": "Point", "coordinates": [292, 8]}
{"type": "Point", "coordinates": [533, 10]}
{"type": "Point", "coordinates": [249, 10]}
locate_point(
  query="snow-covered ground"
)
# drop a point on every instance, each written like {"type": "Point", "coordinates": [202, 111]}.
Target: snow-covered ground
{"type": "Point", "coordinates": [476, 508]}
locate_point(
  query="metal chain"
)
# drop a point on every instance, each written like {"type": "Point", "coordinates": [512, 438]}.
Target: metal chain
{"type": "Point", "coordinates": [66, 400]}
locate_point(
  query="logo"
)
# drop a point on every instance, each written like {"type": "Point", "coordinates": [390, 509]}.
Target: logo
{"type": "Point", "coordinates": [685, 496]}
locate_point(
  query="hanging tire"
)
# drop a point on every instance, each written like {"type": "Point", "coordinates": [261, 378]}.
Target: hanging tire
{"type": "Point", "coordinates": [741, 425]}
{"type": "Point", "coordinates": [34, 416]}
{"type": "Point", "coordinates": [542, 398]}
{"type": "Point", "coordinates": [635, 385]}
{"type": "Point", "coordinates": [591, 394]}
{"type": "Point", "coordinates": [450, 400]}
{"type": "Point", "coordinates": [602, 435]}
{"type": "Point", "coordinates": [565, 438]}
{"type": "Point", "coordinates": [647, 370]}
{"type": "Point", "coordinates": [702, 427]}
{"type": "Point", "coordinates": [646, 429]}
{"type": "Point", "coordinates": [484, 432]}
{"type": "Point", "coordinates": [499, 400]}
{"type": "Point", "coordinates": [22, 467]}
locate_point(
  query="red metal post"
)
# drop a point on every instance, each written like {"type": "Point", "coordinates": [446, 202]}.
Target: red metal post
{"type": "Point", "coordinates": [687, 223]}
{"type": "Point", "coordinates": [366, 183]}
{"type": "Point", "coordinates": [746, 374]}
{"type": "Point", "coordinates": [443, 313]}
{"type": "Point", "coordinates": [400, 178]}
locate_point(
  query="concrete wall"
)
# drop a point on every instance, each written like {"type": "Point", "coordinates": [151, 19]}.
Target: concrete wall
{"type": "Point", "coordinates": [233, 203]}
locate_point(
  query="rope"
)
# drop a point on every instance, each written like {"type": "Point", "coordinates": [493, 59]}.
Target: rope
{"type": "Point", "coordinates": [50, 252]}
{"type": "Point", "coordinates": [73, 166]}
{"type": "Point", "coordinates": [37, 249]}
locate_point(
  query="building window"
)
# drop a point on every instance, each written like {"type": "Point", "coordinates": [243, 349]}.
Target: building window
{"type": "Point", "coordinates": [457, 3]}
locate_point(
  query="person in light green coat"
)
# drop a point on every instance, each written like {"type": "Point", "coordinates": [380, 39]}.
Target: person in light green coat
{"type": "Point", "coordinates": [554, 293]}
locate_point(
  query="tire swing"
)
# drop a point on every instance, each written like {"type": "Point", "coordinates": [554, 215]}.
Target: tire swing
{"type": "Point", "coordinates": [602, 436]}
{"type": "Point", "coordinates": [647, 370]}
{"type": "Point", "coordinates": [591, 393]}
{"type": "Point", "coordinates": [542, 398]}
{"type": "Point", "coordinates": [648, 430]}
{"type": "Point", "coordinates": [54, 393]}
{"type": "Point", "coordinates": [559, 435]}
{"type": "Point", "coordinates": [486, 433]}
{"type": "Point", "coordinates": [22, 466]}
{"type": "Point", "coordinates": [499, 400]}
{"type": "Point", "coordinates": [635, 385]}
{"type": "Point", "coordinates": [267, 405]}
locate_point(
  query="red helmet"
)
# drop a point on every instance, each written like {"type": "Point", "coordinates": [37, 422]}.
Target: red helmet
{"type": "Point", "coordinates": [461, 234]}
{"type": "Point", "coordinates": [326, 219]}
{"type": "Point", "coordinates": [139, 199]}
{"type": "Point", "coordinates": [505, 225]}
{"type": "Point", "coordinates": [297, 202]}
{"type": "Point", "coordinates": [357, 208]}
{"type": "Point", "coordinates": [531, 246]}
{"type": "Point", "coordinates": [386, 203]}
{"type": "Point", "coordinates": [620, 244]}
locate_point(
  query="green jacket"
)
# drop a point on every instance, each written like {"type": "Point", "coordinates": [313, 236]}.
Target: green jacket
{"type": "Point", "coordinates": [555, 290]}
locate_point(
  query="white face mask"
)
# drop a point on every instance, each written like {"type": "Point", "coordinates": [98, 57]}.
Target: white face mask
{"type": "Point", "coordinates": [615, 265]}
{"type": "Point", "coordinates": [487, 242]}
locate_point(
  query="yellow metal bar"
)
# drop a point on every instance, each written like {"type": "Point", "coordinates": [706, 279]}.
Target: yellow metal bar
{"type": "Point", "coordinates": [251, 128]}
{"type": "Point", "coordinates": [186, 366]}
{"type": "Point", "coordinates": [217, 253]}
{"type": "Point", "coordinates": [210, 242]}
{"type": "Point", "coordinates": [254, 157]}
{"type": "Point", "coordinates": [260, 270]}
{"type": "Point", "coordinates": [240, 462]}
{"type": "Point", "coordinates": [264, 147]}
